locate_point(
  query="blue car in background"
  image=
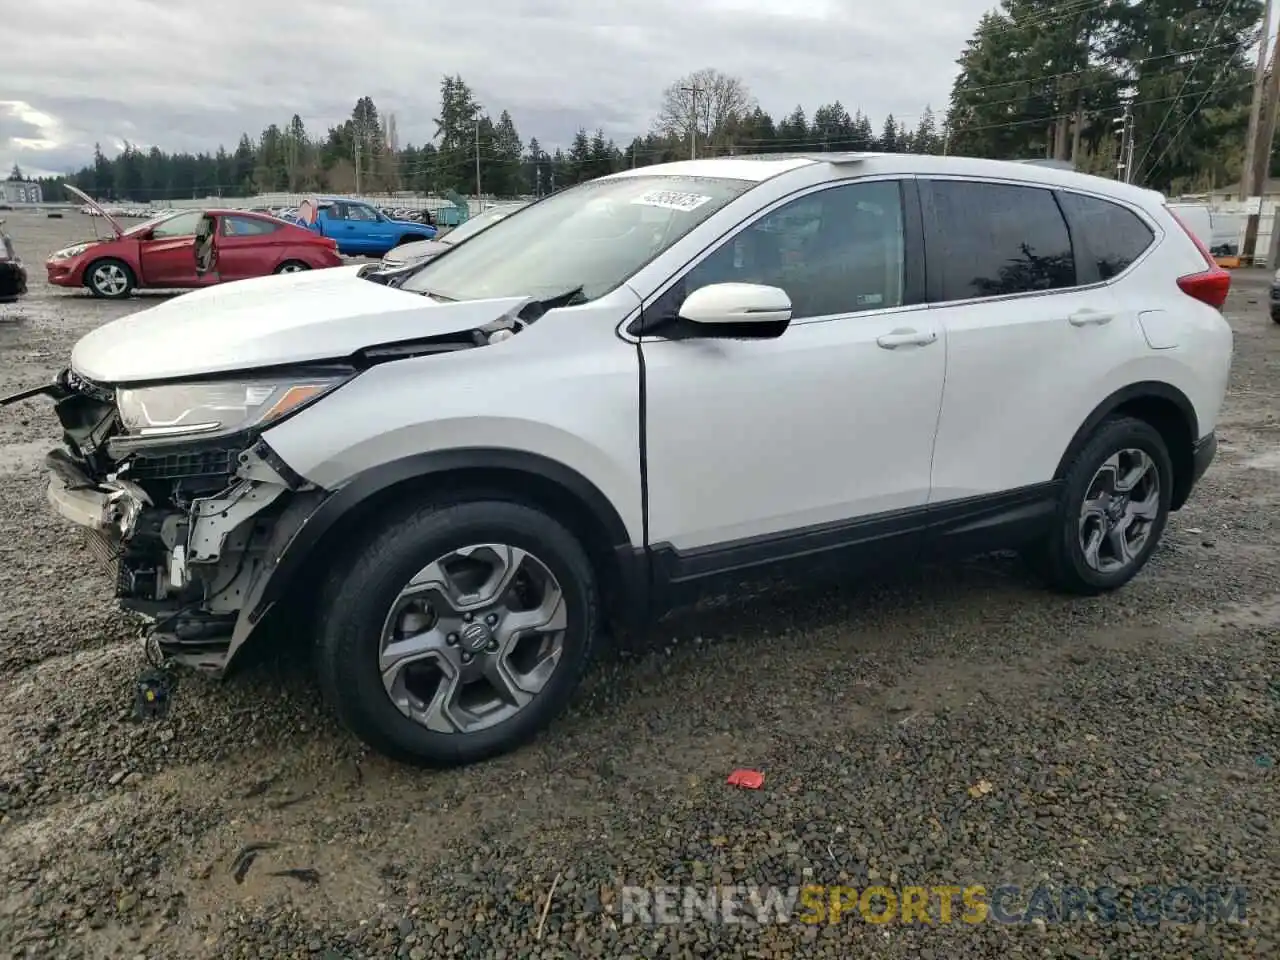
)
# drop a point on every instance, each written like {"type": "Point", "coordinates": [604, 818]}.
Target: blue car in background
{"type": "Point", "coordinates": [360, 229]}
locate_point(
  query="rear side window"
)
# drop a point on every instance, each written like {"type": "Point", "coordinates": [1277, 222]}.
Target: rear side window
{"type": "Point", "coordinates": [994, 240]}
{"type": "Point", "coordinates": [247, 226]}
{"type": "Point", "coordinates": [1108, 237]}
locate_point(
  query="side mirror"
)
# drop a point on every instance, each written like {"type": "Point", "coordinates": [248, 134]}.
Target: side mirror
{"type": "Point", "coordinates": [738, 310]}
{"type": "Point", "coordinates": [205, 245]}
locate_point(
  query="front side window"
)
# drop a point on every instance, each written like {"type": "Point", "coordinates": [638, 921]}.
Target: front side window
{"type": "Point", "coordinates": [995, 239]}
{"type": "Point", "coordinates": [364, 214]}
{"type": "Point", "coordinates": [580, 243]}
{"type": "Point", "coordinates": [183, 225]}
{"type": "Point", "coordinates": [839, 250]}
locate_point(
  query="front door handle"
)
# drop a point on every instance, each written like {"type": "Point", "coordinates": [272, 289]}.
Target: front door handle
{"type": "Point", "coordinates": [1087, 318]}
{"type": "Point", "coordinates": [906, 337]}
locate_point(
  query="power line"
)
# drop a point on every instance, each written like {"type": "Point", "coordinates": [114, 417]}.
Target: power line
{"type": "Point", "coordinates": [1222, 72]}
{"type": "Point", "coordinates": [1185, 80]}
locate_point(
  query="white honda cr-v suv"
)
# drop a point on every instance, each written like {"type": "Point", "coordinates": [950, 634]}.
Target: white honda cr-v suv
{"type": "Point", "coordinates": [627, 390]}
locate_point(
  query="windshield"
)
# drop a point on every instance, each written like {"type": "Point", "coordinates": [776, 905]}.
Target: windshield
{"type": "Point", "coordinates": [477, 223]}
{"type": "Point", "coordinates": [593, 236]}
{"type": "Point", "coordinates": [153, 222]}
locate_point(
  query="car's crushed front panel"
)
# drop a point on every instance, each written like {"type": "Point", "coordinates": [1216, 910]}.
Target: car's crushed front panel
{"type": "Point", "coordinates": [189, 532]}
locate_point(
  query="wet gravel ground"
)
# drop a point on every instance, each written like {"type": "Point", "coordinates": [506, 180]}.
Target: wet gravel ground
{"type": "Point", "coordinates": [955, 726]}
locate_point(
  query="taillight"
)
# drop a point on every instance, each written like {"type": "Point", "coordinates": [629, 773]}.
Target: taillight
{"type": "Point", "coordinates": [1210, 286]}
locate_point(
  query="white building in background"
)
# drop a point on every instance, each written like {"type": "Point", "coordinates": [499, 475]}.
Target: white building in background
{"type": "Point", "coordinates": [20, 191]}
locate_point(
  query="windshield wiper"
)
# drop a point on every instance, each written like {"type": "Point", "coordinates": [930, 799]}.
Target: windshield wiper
{"type": "Point", "coordinates": [569, 298]}
{"type": "Point", "coordinates": [535, 309]}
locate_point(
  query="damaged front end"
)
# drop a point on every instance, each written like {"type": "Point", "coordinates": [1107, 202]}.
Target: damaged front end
{"type": "Point", "coordinates": [174, 486]}
{"type": "Point", "coordinates": [189, 528]}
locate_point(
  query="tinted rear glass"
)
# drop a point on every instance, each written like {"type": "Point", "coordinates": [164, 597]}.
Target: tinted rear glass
{"type": "Point", "coordinates": [994, 239]}
{"type": "Point", "coordinates": [1109, 236]}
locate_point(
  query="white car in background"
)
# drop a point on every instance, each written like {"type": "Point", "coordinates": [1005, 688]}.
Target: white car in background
{"type": "Point", "coordinates": [629, 392]}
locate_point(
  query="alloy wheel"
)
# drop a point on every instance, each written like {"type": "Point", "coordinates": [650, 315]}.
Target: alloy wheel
{"type": "Point", "coordinates": [109, 279]}
{"type": "Point", "coordinates": [1120, 511]}
{"type": "Point", "coordinates": [473, 638]}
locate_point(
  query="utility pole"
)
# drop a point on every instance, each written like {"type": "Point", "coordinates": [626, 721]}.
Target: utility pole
{"type": "Point", "coordinates": [479, 202]}
{"type": "Point", "coordinates": [1255, 107]}
{"type": "Point", "coordinates": [357, 149]}
{"type": "Point", "coordinates": [1261, 132]}
{"type": "Point", "coordinates": [1128, 159]}
{"type": "Point", "coordinates": [1267, 124]}
{"type": "Point", "coordinates": [693, 91]}
{"type": "Point", "coordinates": [1124, 157]}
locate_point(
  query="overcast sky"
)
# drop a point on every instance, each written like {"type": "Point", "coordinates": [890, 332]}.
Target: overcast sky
{"type": "Point", "coordinates": [184, 75]}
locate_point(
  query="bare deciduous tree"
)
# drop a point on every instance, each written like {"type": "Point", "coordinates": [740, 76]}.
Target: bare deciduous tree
{"type": "Point", "coordinates": [720, 99]}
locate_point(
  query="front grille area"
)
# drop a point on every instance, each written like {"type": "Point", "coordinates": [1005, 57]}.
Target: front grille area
{"type": "Point", "coordinates": [184, 466]}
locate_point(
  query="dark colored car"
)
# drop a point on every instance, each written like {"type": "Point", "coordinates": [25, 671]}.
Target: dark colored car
{"type": "Point", "coordinates": [1275, 297]}
{"type": "Point", "coordinates": [13, 275]}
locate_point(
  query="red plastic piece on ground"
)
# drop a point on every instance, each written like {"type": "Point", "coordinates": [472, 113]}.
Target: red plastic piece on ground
{"type": "Point", "coordinates": [747, 779]}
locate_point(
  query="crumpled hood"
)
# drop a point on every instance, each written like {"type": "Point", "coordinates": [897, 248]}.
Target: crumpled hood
{"type": "Point", "coordinates": [270, 321]}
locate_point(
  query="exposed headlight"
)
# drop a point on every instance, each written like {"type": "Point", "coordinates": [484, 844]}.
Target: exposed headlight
{"type": "Point", "coordinates": [184, 410]}
{"type": "Point", "coordinates": [66, 253]}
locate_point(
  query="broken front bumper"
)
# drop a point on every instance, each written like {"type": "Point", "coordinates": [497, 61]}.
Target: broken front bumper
{"type": "Point", "coordinates": [110, 509]}
{"type": "Point", "coordinates": [195, 569]}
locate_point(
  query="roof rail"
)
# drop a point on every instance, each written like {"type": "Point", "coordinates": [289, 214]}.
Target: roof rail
{"type": "Point", "coordinates": [1055, 164]}
{"type": "Point", "coordinates": [817, 157]}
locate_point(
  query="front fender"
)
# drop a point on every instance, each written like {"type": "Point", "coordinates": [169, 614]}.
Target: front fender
{"type": "Point", "coordinates": [311, 515]}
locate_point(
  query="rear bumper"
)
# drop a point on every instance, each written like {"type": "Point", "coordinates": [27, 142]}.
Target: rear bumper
{"type": "Point", "coordinates": [1202, 455]}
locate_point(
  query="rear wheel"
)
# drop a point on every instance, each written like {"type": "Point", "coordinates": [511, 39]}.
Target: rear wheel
{"type": "Point", "coordinates": [292, 266]}
{"type": "Point", "coordinates": [1112, 511]}
{"type": "Point", "coordinates": [457, 632]}
{"type": "Point", "coordinates": [110, 279]}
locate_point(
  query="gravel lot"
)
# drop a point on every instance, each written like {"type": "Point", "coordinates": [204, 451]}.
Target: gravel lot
{"type": "Point", "coordinates": [954, 726]}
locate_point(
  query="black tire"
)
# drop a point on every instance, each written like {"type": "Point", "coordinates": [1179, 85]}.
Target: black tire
{"type": "Point", "coordinates": [96, 272]}
{"type": "Point", "coordinates": [1275, 316]}
{"type": "Point", "coordinates": [1060, 558]}
{"type": "Point", "coordinates": [359, 594]}
{"type": "Point", "coordinates": [292, 266]}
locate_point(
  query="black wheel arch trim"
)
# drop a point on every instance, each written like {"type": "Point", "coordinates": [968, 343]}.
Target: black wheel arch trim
{"type": "Point", "coordinates": [373, 481]}
{"type": "Point", "coordinates": [1135, 391]}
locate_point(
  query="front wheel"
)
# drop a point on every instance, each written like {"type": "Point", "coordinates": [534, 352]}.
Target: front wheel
{"type": "Point", "coordinates": [110, 279]}
{"type": "Point", "coordinates": [1112, 510]}
{"type": "Point", "coordinates": [457, 632]}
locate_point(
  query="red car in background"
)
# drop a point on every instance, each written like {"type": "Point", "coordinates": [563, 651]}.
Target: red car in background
{"type": "Point", "coordinates": [158, 254]}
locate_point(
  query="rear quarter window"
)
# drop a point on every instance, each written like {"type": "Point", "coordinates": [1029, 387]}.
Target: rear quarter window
{"type": "Point", "coordinates": [1108, 237]}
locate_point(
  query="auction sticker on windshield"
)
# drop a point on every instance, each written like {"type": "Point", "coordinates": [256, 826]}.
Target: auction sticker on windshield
{"type": "Point", "coordinates": [672, 200]}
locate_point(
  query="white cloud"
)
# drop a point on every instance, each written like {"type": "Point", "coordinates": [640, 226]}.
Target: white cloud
{"type": "Point", "coordinates": [190, 76]}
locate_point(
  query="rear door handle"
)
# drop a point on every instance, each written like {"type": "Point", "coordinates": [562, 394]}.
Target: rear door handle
{"type": "Point", "coordinates": [906, 337]}
{"type": "Point", "coordinates": [1086, 318]}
